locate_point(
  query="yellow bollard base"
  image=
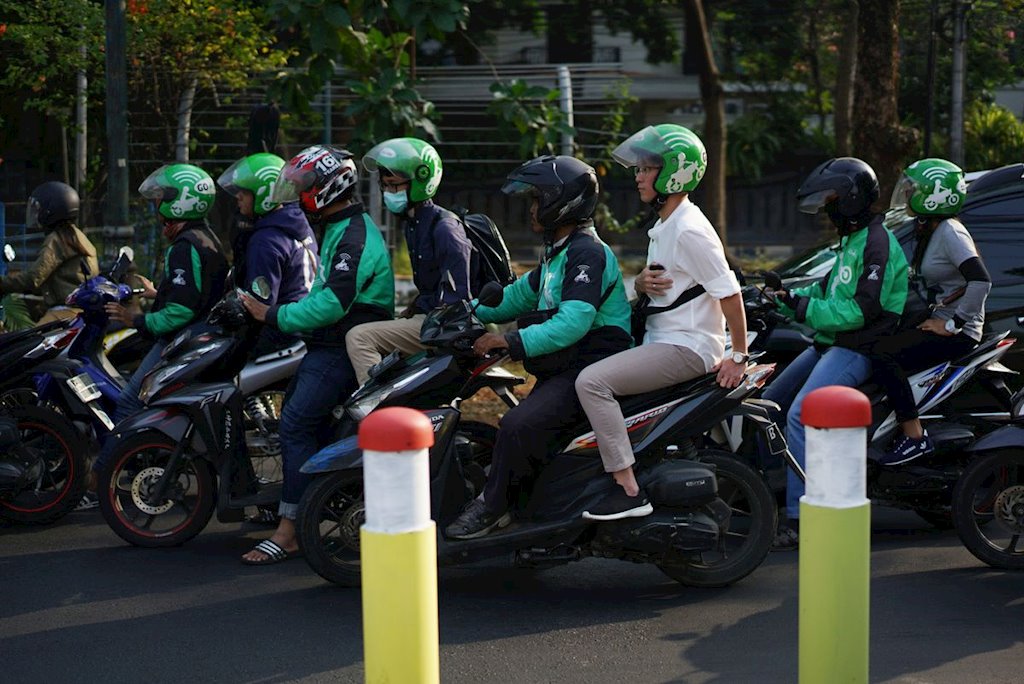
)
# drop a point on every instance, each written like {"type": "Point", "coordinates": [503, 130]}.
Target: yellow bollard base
{"type": "Point", "coordinates": [835, 572]}
{"type": "Point", "coordinates": [400, 633]}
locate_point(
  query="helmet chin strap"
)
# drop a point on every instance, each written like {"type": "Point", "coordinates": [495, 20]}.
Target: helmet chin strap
{"type": "Point", "coordinates": [172, 228]}
{"type": "Point", "coordinates": [659, 201]}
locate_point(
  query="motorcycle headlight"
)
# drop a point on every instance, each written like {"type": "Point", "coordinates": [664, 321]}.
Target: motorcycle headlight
{"type": "Point", "coordinates": [156, 380]}
{"type": "Point", "coordinates": [361, 407]}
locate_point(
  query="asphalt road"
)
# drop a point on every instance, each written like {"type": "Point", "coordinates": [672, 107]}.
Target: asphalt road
{"type": "Point", "coordinates": [76, 604]}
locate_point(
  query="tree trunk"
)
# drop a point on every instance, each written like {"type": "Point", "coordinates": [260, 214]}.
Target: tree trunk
{"type": "Point", "coordinates": [878, 137]}
{"type": "Point", "coordinates": [185, 102]}
{"type": "Point", "coordinates": [713, 97]}
{"type": "Point", "coordinates": [845, 79]}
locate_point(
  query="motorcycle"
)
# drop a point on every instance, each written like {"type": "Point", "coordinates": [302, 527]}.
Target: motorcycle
{"type": "Point", "coordinates": [196, 448]}
{"type": "Point", "coordinates": [924, 485]}
{"type": "Point", "coordinates": [988, 502]}
{"type": "Point", "coordinates": [714, 515]}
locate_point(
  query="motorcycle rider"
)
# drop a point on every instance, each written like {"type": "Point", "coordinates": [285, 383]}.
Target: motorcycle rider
{"type": "Point", "coordinates": [409, 172]}
{"type": "Point", "coordinates": [195, 270]}
{"type": "Point", "coordinates": [66, 258]}
{"type": "Point", "coordinates": [858, 303]}
{"type": "Point", "coordinates": [275, 252]}
{"type": "Point", "coordinates": [680, 344]}
{"type": "Point", "coordinates": [945, 263]}
{"type": "Point", "coordinates": [581, 316]}
{"type": "Point", "coordinates": [353, 285]}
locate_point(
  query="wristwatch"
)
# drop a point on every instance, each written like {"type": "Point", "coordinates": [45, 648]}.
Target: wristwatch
{"type": "Point", "coordinates": [739, 357]}
{"type": "Point", "coordinates": [951, 327]}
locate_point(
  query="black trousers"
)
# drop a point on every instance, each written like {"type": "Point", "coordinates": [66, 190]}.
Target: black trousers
{"type": "Point", "coordinates": [527, 435]}
{"type": "Point", "coordinates": [908, 352]}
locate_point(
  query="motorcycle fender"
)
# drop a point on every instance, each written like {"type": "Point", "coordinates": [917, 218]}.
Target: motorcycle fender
{"type": "Point", "coordinates": [1006, 437]}
{"type": "Point", "coordinates": [166, 421]}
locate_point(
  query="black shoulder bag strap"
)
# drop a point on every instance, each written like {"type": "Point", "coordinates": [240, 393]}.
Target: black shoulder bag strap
{"type": "Point", "coordinates": [686, 296]}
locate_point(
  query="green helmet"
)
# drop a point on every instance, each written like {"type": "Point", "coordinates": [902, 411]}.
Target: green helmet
{"type": "Point", "coordinates": [256, 173]}
{"type": "Point", "coordinates": [409, 158]}
{"type": "Point", "coordinates": [183, 191]}
{"type": "Point", "coordinates": [931, 187]}
{"type": "Point", "coordinates": [675, 149]}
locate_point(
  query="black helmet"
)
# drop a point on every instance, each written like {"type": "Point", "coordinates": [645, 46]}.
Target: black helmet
{"type": "Point", "coordinates": [51, 203]}
{"type": "Point", "coordinates": [845, 186]}
{"type": "Point", "coordinates": [565, 188]}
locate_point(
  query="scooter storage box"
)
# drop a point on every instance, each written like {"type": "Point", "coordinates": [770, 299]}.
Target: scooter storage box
{"type": "Point", "coordinates": [680, 483]}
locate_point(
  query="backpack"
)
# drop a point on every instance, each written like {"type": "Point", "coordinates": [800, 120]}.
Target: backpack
{"type": "Point", "coordinates": [492, 254]}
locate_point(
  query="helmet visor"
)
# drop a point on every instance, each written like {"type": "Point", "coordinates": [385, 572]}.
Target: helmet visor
{"type": "Point", "coordinates": [644, 148]}
{"type": "Point", "coordinates": [292, 181]}
{"type": "Point", "coordinates": [227, 179]}
{"type": "Point", "coordinates": [32, 214]}
{"type": "Point", "coordinates": [155, 186]}
{"type": "Point", "coordinates": [902, 193]}
{"type": "Point", "coordinates": [812, 204]}
{"type": "Point", "coordinates": [519, 188]}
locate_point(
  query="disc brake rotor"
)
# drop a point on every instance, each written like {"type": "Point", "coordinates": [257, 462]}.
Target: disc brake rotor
{"type": "Point", "coordinates": [142, 485]}
{"type": "Point", "coordinates": [1009, 509]}
{"type": "Point", "coordinates": [352, 519]}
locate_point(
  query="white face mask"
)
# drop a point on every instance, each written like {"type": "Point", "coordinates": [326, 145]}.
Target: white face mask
{"type": "Point", "coordinates": [396, 202]}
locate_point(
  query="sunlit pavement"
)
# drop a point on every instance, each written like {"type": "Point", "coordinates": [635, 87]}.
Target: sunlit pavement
{"type": "Point", "coordinates": [77, 604]}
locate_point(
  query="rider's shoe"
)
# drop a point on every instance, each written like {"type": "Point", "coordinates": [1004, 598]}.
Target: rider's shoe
{"type": "Point", "coordinates": [476, 521]}
{"type": "Point", "coordinates": [905, 449]}
{"type": "Point", "coordinates": [617, 504]}
{"type": "Point", "coordinates": [90, 500]}
{"type": "Point", "coordinates": [787, 538]}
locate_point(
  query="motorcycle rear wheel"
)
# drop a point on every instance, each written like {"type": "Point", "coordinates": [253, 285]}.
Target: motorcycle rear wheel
{"type": "Point", "coordinates": [137, 464]}
{"type": "Point", "coordinates": [988, 509]}
{"type": "Point", "coordinates": [53, 438]}
{"type": "Point", "coordinates": [332, 510]}
{"type": "Point", "coordinates": [751, 526]}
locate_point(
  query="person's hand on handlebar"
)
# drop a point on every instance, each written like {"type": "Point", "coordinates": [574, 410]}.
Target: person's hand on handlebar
{"type": "Point", "coordinates": [119, 314]}
{"type": "Point", "coordinates": [256, 309]}
{"type": "Point", "coordinates": [488, 342]}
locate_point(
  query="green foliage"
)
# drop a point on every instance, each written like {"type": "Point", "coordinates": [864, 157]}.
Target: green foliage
{"type": "Point", "coordinates": [40, 53]}
{"type": "Point", "coordinates": [16, 315]}
{"type": "Point", "coordinates": [614, 126]}
{"type": "Point", "coordinates": [993, 137]}
{"type": "Point", "coordinates": [532, 113]}
{"type": "Point", "coordinates": [751, 146]}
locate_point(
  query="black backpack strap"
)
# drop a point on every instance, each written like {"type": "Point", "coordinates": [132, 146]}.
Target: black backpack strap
{"type": "Point", "coordinates": [686, 296]}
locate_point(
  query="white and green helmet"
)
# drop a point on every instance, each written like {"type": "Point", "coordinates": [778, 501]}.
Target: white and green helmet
{"type": "Point", "coordinates": [931, 187]}
{"type": "Point", "coordinates": [411, 158]}
{"type": "Point", "coordinates": [256, 173]}
{"type": "Point", "coordinates": [182, 191]}
{"type": "Point", "coordinates": [675, 149]}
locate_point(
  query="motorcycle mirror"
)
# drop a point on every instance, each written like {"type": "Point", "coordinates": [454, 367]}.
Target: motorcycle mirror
{"type": "Point", "coordinates": [9, 253]}
{"type": "Point", "coordinates": [126, 252]}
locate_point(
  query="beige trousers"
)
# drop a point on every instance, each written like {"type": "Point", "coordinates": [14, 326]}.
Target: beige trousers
{"type": "Point", "coordinates": [634, 371]}
{"type": "Point", "coordinates": [368, 343]}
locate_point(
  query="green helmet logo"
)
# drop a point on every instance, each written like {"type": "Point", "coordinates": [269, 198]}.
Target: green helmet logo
{"type": "Point", "coordinates": [411, 158]}
{"type": "Point", "coordinates": [675, 149]}
{"type": "Point", "coordinates": [256, 173]}
{"type": "Point", "coordinates": [183, 191]}
{"type": "Point", "coordinates": [931, 187]}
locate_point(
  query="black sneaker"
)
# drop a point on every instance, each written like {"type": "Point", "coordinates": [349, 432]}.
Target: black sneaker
{"type": "Point", "coordinates": [475, 521]}
{"type": "Point", "coordinates": [617, 504]}
{"type": "Point", "coordinates": [905, 449]}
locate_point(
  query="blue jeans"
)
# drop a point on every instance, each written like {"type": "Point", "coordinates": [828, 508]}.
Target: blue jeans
{"type": "Point", "coordinates": [325, 378]}
{"type": "Point", "coordinates": [810, 371]}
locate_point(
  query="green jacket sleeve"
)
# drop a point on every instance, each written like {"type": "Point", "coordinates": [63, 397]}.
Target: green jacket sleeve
{"type": "Point", "coordinates": [518, 298]}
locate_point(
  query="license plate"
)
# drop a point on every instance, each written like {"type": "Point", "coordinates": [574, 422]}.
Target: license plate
{"type": "Point", "coordinates": [84, 388]}
{"type": "Point", "coordinates": [776, 442]}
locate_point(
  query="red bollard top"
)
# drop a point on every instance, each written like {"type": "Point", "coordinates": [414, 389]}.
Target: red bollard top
{"type": "Point", "coordinates": [836, 406]}
{"type": "Point", "coordinates": [396, 429]}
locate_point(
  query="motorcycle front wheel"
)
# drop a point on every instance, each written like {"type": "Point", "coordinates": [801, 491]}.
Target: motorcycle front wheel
{"type": "Point", "coordinates": [125, 488]}
{"type": "Point", "coordinates": [49, 440]}
{"type": "Point", "coordinates": [748, 539]}
{"type": "Point", "coordinates": [988, 509]}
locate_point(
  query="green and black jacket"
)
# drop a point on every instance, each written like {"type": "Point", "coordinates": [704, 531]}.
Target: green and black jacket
{"type": "Point", "coordinates": [862, 298]}
{"type": "Point", "coordinates": [581, 282]}
{"type": "Point", "coordinates": [355, 283]}
{"type": "Point", "coordinates": [195, 270]}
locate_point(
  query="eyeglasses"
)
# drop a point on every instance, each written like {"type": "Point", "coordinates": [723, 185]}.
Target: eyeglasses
{"type": "Point", "coordinates": [645, 170]}
{"type": "Point", "coordinates": [394, 187]}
